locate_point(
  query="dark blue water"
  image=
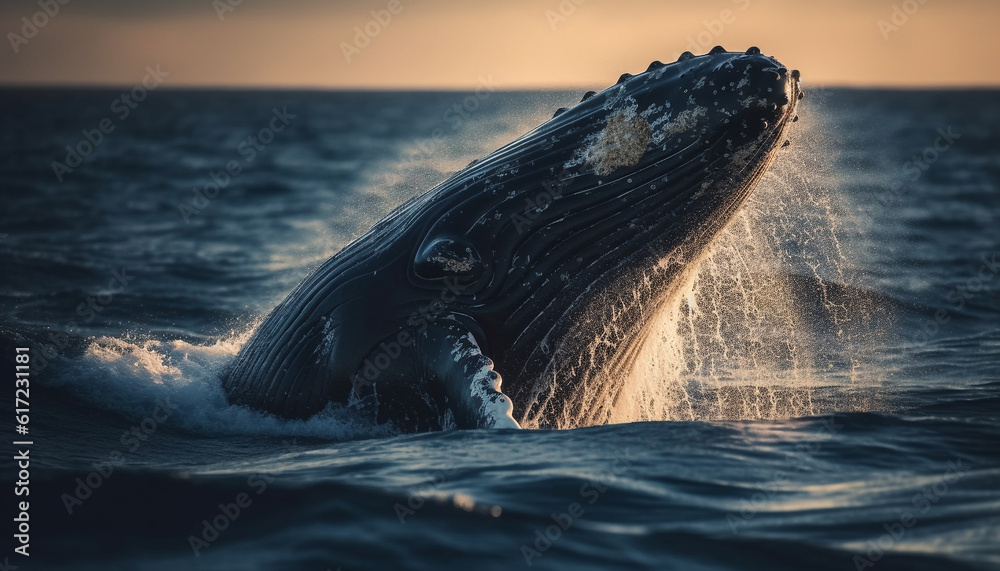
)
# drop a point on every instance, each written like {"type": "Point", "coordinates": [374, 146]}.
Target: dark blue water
{"type": "Point", "coordinates": [848, 419]}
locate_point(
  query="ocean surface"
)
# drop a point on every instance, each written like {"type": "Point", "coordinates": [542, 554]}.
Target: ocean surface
{"type": "Point", "coordinates": [823, 394]}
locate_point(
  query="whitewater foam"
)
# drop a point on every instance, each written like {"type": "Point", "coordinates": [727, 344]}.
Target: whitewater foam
{"type": "Point", "coordinates": [130, 376]}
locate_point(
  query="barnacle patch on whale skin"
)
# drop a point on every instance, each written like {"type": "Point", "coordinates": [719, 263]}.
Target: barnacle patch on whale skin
{"type": "Point", "coordinates": [453, 265]}
{"type": "Point", "coordinates": [622, 143]}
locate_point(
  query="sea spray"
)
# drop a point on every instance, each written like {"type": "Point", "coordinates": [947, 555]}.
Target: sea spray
{"type": "Point", "coordinates": [769, 310]}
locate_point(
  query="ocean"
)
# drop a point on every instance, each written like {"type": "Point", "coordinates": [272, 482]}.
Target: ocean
{"type": "Point", "coordinates": [823, 394]}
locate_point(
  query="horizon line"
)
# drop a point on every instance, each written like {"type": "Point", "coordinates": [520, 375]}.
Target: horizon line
{"type": "Point", "coordinates": [457, 88]}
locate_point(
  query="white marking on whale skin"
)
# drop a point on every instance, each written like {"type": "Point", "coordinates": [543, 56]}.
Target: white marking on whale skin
{"type": "Point", "coordinates": [685, 120]}
{"type": "Point", "coordinates": [653, 109]}
{"type": "Point", "coordinates": [614, 96]}
{"type": "Point", "coordinates": [329, 338]}
{"type": "Point", "coordinates": [663, 118]}
{"type": "Point", "coordinates": [754, 101]}
{"type": "Point", "coordinates": [508, 169]}
{"type": "Point", "coordinates": [463, 351]}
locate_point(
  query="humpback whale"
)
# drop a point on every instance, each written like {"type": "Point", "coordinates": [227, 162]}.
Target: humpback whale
{"type": "Point", "coordinates": [518, 292]}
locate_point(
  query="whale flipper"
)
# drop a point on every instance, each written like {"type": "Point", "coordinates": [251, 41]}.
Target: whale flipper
{"type": "Point", "coordinates": [445, 364]}
{"type": "Point", "coordinates": [468, 378]}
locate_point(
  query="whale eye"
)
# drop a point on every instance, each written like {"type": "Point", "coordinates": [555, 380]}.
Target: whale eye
{"type": "Point", "coordinates": [443, 257]}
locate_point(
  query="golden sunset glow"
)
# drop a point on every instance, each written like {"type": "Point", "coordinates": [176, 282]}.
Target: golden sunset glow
{"type": "Point", "coordinates": [517, 44]}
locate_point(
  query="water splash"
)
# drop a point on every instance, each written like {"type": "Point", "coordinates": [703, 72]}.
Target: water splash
{"type": "Point", "coordinates": [131, 376]}
{"type": "Point", "coordinates": [771, 323]}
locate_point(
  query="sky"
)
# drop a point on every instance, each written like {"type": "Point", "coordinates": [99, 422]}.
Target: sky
{"type": "Point", "coordinates": [508, 44]}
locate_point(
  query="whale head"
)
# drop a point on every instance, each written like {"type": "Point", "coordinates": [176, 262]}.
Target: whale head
{"type": "Point", "coordinates": [573, 234]}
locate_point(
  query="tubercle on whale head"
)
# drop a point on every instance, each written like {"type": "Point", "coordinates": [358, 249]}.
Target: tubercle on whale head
{"type": "Point", "coordinates": [788, 86]}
